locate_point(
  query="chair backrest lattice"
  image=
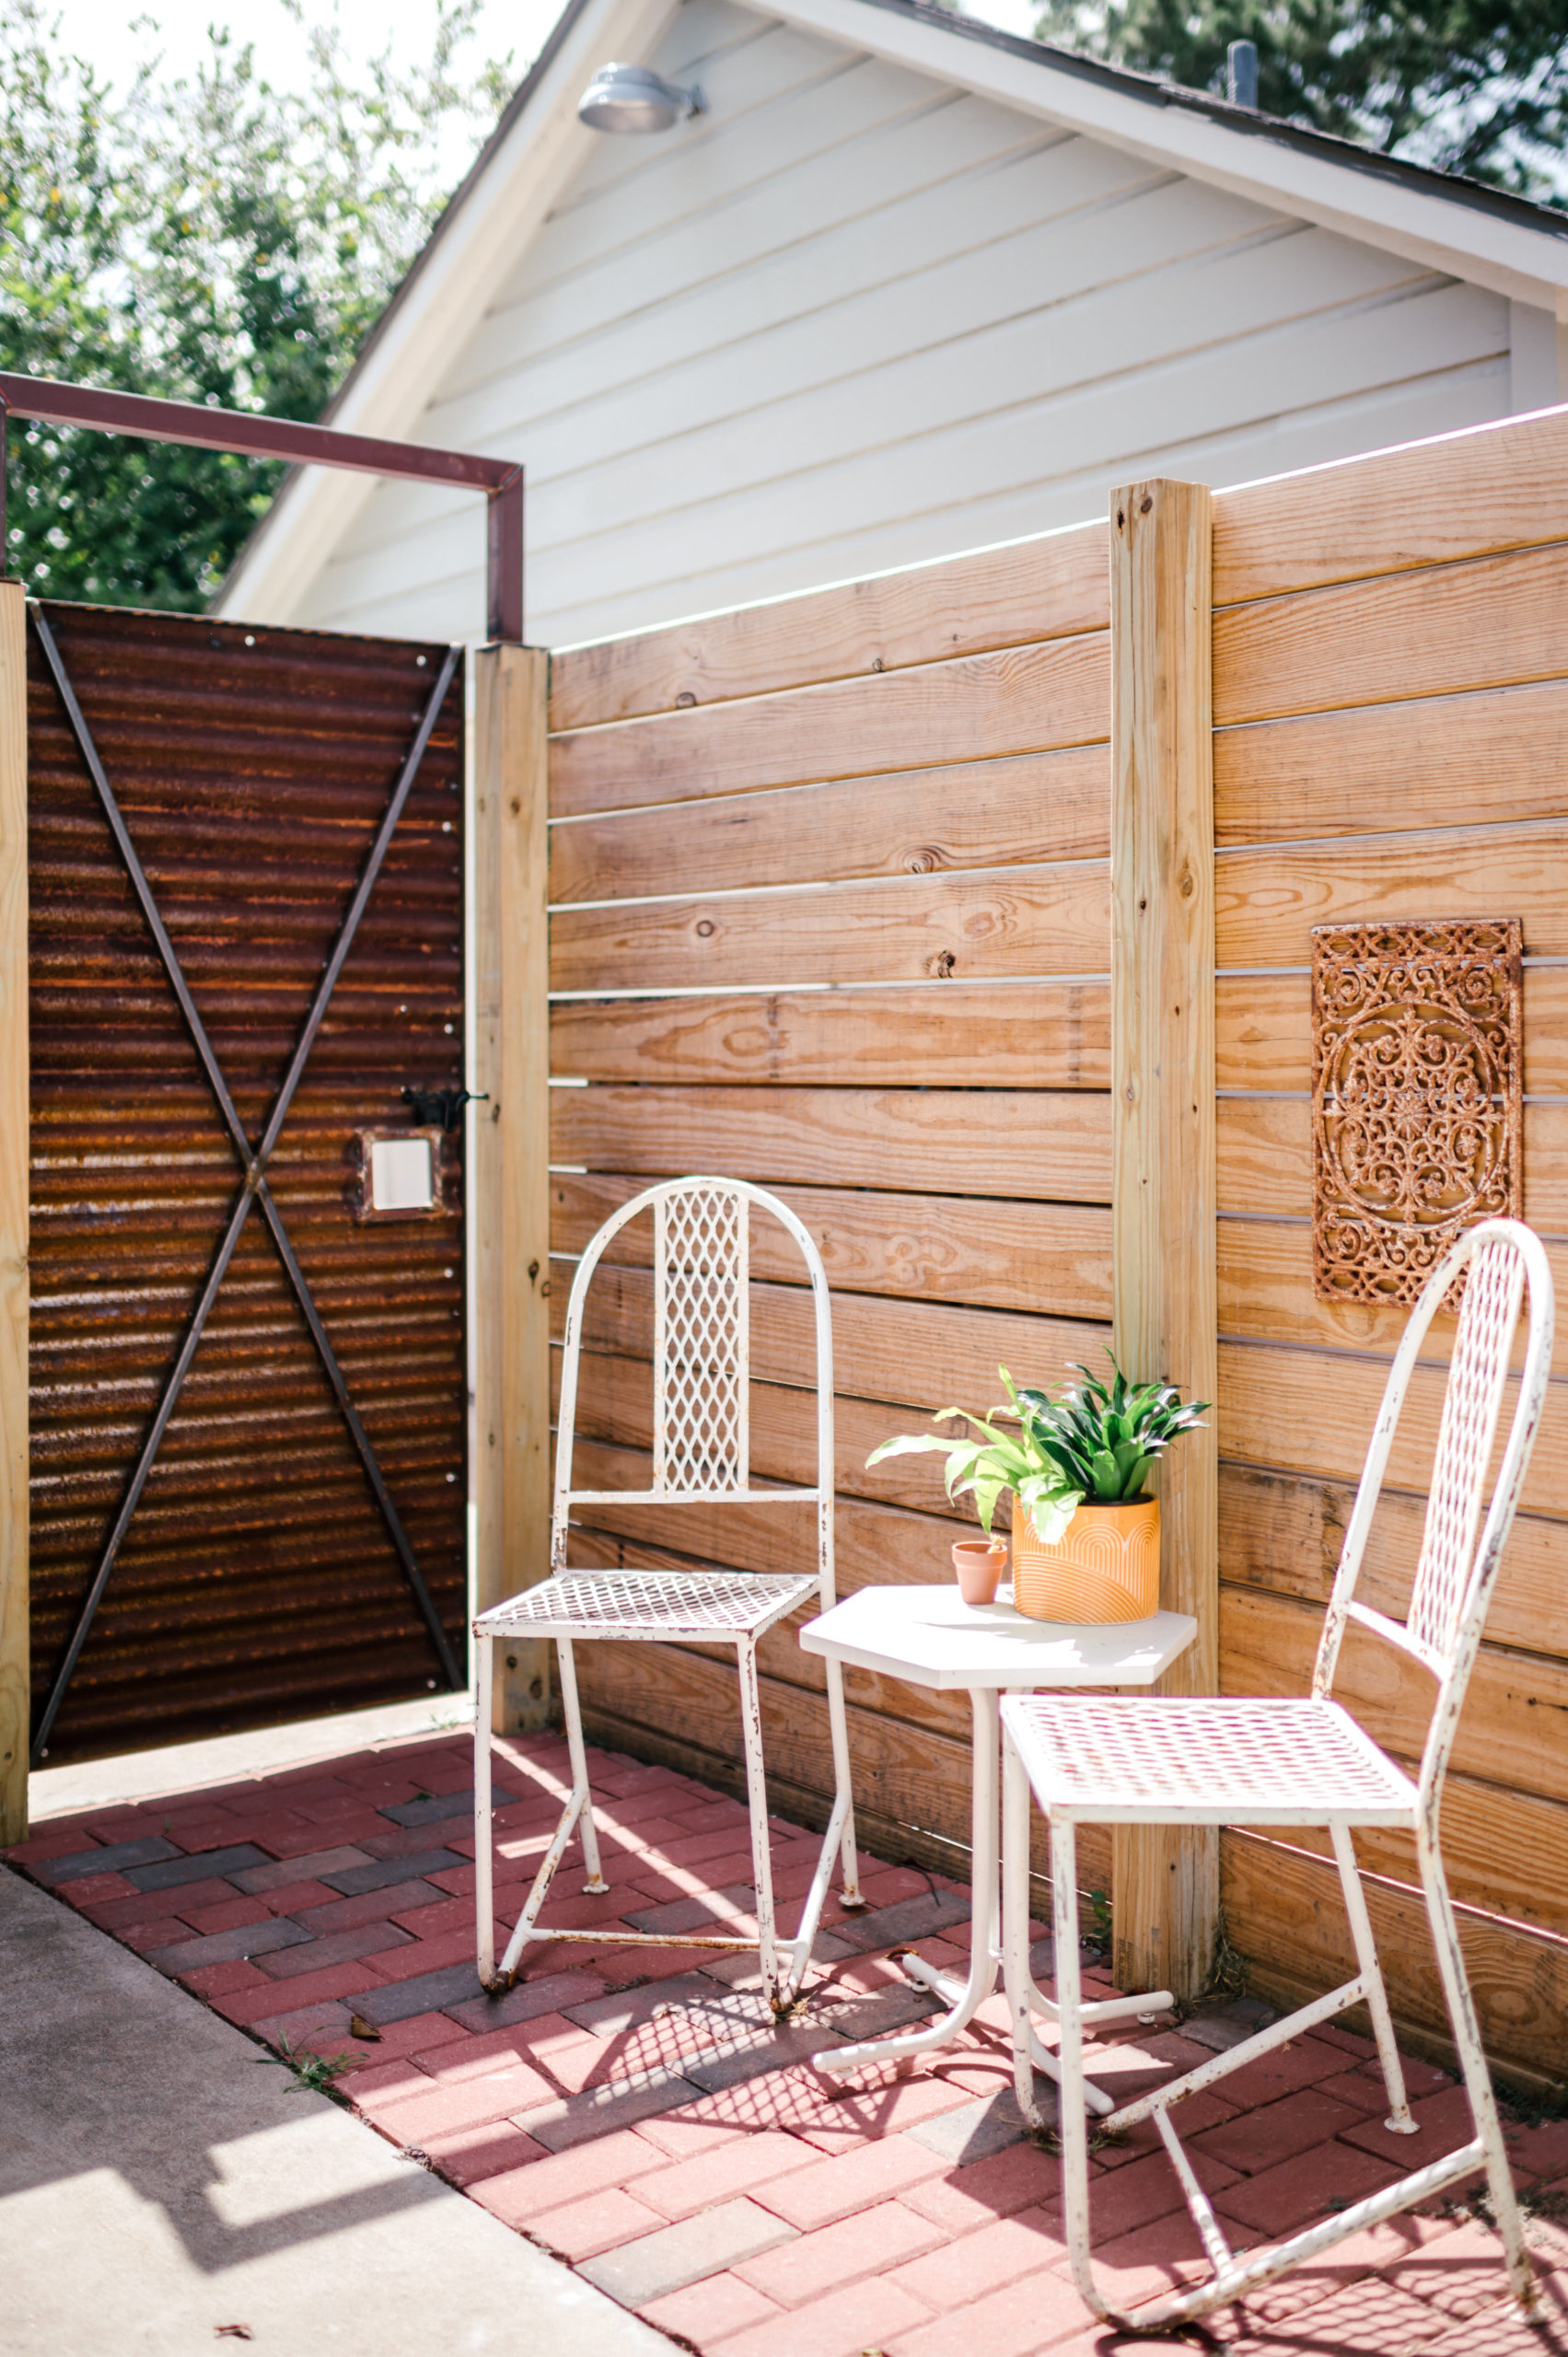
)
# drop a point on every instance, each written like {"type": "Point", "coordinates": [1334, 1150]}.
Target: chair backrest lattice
{"type": "Point", "coordinates": [1471, 1403]}
{"type": "Point", "coordinates": [702, 1340]}
{"type": "Point", "coordinates": [701, 1370]}
{"type": "Point", "coordinates": [1500, 1261]}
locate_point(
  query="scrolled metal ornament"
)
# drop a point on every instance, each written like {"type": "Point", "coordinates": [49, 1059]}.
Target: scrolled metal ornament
{"type": "Point", "coordinates": [1417, 1088]}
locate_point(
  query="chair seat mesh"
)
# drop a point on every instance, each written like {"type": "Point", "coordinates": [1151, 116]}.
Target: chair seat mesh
{"type": "Point", "coordinates": [1209, 1759]}
{"type": "Point", "coordinates": [649, 1603]}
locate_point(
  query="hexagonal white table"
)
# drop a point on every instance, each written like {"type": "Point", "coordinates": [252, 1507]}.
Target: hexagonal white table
{"type": "Point", "coordinates": [929, 1636]}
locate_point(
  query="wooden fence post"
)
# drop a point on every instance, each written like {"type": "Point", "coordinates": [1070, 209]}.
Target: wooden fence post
{"type": "Point", "coordinates": [14, 1586]}
{"type": "Point", "coordinates": [1165, 1895]}
{"type": "Point", "coordinates": [509, 1184]}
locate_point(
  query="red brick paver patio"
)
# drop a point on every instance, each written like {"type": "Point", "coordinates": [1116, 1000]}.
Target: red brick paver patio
{"type": "Point", "coordinates": [631, 2110]}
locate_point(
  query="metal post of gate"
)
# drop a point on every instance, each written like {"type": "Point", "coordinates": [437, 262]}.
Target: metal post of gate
{"type": "Point", "coordinates": [13, 1158]}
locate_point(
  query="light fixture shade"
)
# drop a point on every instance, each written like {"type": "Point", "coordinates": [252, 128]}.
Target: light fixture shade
{"type": "Point", "coordinates": [634, 99]}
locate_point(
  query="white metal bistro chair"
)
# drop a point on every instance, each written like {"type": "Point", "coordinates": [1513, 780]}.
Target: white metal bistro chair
{"type": "Point", "coordinates": [700, 1456]}
{"type": "Point", "coordinates": [1173, 1760]}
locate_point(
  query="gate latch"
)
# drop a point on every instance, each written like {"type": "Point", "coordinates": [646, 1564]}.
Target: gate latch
{"type": "Point", "coordinates": [442, 1108]}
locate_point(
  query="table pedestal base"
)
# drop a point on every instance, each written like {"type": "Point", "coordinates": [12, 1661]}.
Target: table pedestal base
{"type": "Point", "coordinates": [964, 1998]}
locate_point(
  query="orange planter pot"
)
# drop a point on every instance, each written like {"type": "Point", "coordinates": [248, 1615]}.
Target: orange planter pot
{"type": "Point", "coordinates": [1106, 1565]}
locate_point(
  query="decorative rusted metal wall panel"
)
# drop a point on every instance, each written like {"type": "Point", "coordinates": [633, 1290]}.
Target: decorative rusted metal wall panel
{"type": "Point", "coordinates": [1417, 1088]}
{"type": "Point", "coordinates": [258, 1580]}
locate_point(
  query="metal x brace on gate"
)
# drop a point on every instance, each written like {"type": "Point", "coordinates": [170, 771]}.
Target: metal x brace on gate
{"type": "Point", "coordinates": [254, 1188]}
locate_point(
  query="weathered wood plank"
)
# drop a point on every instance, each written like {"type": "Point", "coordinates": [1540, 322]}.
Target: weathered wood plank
{"type": "Point", "coordinates": [1035, 1144]}
{"type": "Point", "coordinates": [909, 1775]}
{"type": "Point", "coordinates": [738, 1538]}
{"type": "Point", "coordinates": [1162, 1029]}
{"type": "Point", "coordinates": [510, 1178]}
{"type": "Point", "coordinates": [882, 1349]}
{"type": "Point", "coordinates": [1263, 1030]}
{"type": "Point", "coordinates": [1265, 1294]}
{"type": "Point", "coordinates": [1285, 1913]}
{"type": "Point", "coordinates": [1267, 902]}
{"type": "Point", "coordinates": [912, 928]}
{"type": "Point", "coordinates": [1022, 700]}
{"type": "Point", "coordinates": [1265, 1159]}
{"type": "Point", "coordinates": [1494, 757]}
{"type": "Point", "coordinates": [1491, 621]}
{"type": "Point", "coordinates": [1497, 486]}
{"type": "Point", "coordinates": [919, 822]}
{"type": "Point", "coordinates": [1311, 1412]}
{"type": "Point", "coordinates": [1510, 1729]}
{"type": "Point", "coordinates": [15, 1609]}
{"type": "Point", "coordinates": [615, 1406]}
{"type": "Point", "coordinates": [1051, 1259]}
{"type": "Point", "coordinates": [1504, 1853]}
{"type": "Point", "coordinates": [905, 1776]}
{"type": "Point", "coordinates": [875, 1545]}
{"type": "Point", "coordinates": [1286, 1532]}
{"type": "Point", "coordinates": [1048, 587]}
{"type": "Point", "coordinates": [1036, 1035]}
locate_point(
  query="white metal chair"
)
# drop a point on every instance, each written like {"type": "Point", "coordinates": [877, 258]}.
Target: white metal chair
{"type": "Point", "coordinates": [1173, 1760]}
{"type": "Point", "coordinates": [700, 1456]}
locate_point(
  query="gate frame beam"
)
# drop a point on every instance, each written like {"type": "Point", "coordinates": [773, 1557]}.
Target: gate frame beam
{"type": "Point", "coordinates": [243, 435]}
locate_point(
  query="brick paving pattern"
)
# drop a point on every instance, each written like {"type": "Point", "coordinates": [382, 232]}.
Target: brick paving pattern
{"type": "Point", "coordinates": [633, 2110]}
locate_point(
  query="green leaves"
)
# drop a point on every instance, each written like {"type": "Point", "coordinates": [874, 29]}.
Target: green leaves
{"type": "Point", "coordinates": [1095, 1440]}
{"type": "Point", "coordinates": [984, 1468]}
{"type": "Point", "coordinates": [203, 237]}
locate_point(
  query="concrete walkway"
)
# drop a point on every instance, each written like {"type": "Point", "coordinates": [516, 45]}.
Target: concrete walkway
{"type": "Point", "coordinates": [160, 2194]}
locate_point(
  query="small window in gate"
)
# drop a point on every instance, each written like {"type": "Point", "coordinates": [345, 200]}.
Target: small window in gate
{"type": "Point", "coordinates": [402, 1174]}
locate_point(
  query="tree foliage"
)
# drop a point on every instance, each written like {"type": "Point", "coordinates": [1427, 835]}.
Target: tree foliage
{"type": "Point", "coordinates": [209, 238]}
{"type": "Point", "coordinates": [1478, 87]}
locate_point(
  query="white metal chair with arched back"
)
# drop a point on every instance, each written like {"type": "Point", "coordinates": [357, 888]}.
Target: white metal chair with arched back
{"type": "Point", "coordinates": [1285, 1760]}
{"type": "Point", "coordinates": [700, 1456]}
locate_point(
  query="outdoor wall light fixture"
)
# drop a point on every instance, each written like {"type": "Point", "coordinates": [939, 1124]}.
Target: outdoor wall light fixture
{"type": "Point", "coordinates": [635, 99]}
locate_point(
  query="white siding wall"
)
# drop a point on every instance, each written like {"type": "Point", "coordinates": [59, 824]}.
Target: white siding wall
{"type": "Point", "coordinates": [852, 318]}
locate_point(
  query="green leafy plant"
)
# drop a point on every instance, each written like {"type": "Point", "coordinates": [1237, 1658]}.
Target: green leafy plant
{"type": "Point", "coordinates": [312, 2073]}
{"type": "Point", "coordinates": [1105, 1437]}
{"type": "Point", "coordinates": [194, 232]}
{"type": "Point", "coordinates": [1095, 1441]}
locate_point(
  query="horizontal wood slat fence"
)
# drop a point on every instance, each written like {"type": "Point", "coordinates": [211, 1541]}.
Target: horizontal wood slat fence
{"type": "Point", "coordinates": [860, 952]}
{"type": "Point", "coordinates": [1390, 686]}
{"type": "Point", "coordinates": [830, 887]}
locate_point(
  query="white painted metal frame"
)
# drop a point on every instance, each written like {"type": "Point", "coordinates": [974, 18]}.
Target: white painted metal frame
{"type": "Point", "coordinates": [931, 1638]}
{"type": "Point", "coordinates": [702, 1456]}
{"type": "Point", "coordinates": [1174, 1760]}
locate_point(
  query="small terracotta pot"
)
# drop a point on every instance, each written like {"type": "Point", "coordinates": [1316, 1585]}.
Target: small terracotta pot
{"type": "Point", "coordinates": [979, 1563]}
{"type": "Point", "coordinates": [1105, 1566]}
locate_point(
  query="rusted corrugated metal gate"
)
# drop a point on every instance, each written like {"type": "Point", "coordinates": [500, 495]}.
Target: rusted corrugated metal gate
{"type": "Point", "coordinates": [259, 1577]}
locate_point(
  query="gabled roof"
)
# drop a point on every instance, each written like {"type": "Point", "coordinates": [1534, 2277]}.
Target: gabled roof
{"type": "Point", "coordinates": [1152, 90]}
{"type": "Point", "coordinates": [1444, 222]}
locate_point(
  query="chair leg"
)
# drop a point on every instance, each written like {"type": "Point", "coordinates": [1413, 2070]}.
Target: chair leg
{"type": "Point", "coordinates": [1478, 2078]}
{"type": "Point", "coordinates": [484, 1852]}
{"type": "Point", "coordinates": [838, 1725]}
{"type": "Point", "coordinates": [1399, 2121]}
{"type": "Point", "coordinates": [1073, 2119]}
{"type": "Point", "coordinates": [571, 1711]}
{"type": "Point", "coordinates": [757, 1799]}
{"type": "Point", "coordinates": [1016, 1971]}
